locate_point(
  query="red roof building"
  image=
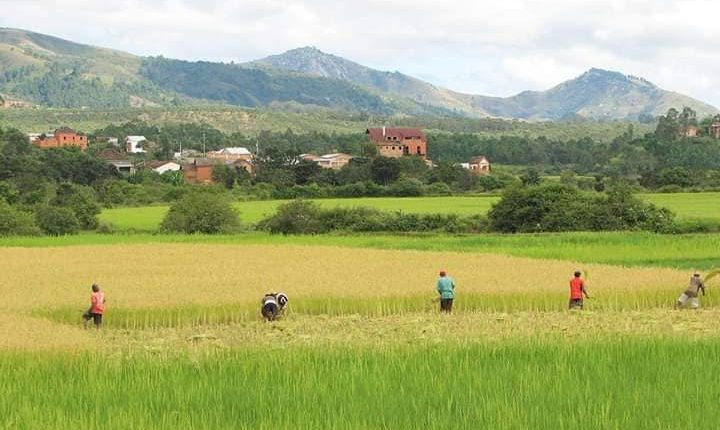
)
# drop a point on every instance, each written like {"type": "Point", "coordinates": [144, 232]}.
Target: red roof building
{"type": "Point", "coordinates": [399, 141]}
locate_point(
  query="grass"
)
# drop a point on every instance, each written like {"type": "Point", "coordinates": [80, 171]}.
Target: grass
{"type": "Point", "coordinates": [148, 218]}
{"type": "Point", "coordinates": [626, 383]}
{"type": "Point", "coordinates": [689, 252]}
{"type": "Point", "coordinates": [688, 207]}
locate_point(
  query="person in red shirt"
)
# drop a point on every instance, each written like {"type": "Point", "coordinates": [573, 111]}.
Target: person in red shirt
{"type": "Point", "coordinates": [577, 291]}
{"type": "Point", "coordinates": [97, 307]}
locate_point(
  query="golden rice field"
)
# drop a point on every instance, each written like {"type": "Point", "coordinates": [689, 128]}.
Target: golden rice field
{"type": "Point", "coordinates": [362, 345]}
{"type": "Point", "coordinates": [180, 290]}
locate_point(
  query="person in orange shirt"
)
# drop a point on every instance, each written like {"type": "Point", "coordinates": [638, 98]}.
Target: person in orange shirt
{"type": "Point", "coordinates": [97, 307]}
{"type": "Point", "coordinates": [577, 291]}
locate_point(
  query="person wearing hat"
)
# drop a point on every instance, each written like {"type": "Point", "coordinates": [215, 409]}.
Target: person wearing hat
{"type": "Point", "coordinates": [97, 307]}
{"type": "Point", "coordinates": [690, 296]}
{"type": "Point", "coordinates": [446, 289]}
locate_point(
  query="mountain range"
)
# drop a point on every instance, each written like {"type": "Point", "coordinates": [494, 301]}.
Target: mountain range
{"type": "Point", "coordinates": [49, 71]}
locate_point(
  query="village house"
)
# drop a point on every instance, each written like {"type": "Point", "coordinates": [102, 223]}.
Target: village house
{"type": "Point", "coordinates": [244, 164]}
{"type": "Point", "coordinates": [231, 154]}
{"type": "Point", "coordinates": [691, 131]}
{"type": "Point", "coordinates": [199, 171]}
{"type": "Point", "coordinates": [118, 160]}
{"type": "Point", "coordinates": [478, 165]}
{"type": "Point", "coordinates": [132, 144]}
{"type": "Point", "coordinates": [61, 137]}
{"type": "Point", "coordinates": [164, 166]}
{"type": "Point", "coordinates": [335, 161]}
{"type": "Point", "coordinates": [397, 142]}
{"type": "Point", "coordinates": [715, 130]}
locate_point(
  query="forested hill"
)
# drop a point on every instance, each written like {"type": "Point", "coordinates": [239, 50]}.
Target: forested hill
{"type": "Point", "coordinates": [48, 71]}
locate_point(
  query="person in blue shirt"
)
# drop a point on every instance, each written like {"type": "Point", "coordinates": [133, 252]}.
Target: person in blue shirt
{"type": "Point", "coordinates": [446, 289]}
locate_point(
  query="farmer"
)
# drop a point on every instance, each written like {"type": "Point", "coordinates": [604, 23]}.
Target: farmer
{"type": "Point", "coordinates": [690, 295]}
{"type": "Point", "coordinates": [446, 289]}
{"type": "Point", "coordinates": [577, 291]}
{"type": "Point", "coordinates": [273, 305]}
{"type": "Point", "coordinates": [97, 307]}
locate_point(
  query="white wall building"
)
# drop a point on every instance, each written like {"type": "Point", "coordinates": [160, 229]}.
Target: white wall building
{"type": "Point", "coordinates": [165, 166]}
{"type": "Point", "coordinates": [132, 142]}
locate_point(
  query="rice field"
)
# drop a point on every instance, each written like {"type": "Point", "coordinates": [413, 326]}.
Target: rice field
{"type": "Point", "coordinates": [618, 384]}
{"type": "Point", "coordinates": [362, 344]}
{"type": "Point", "coordinates": [690, 251]}
{"type": "Point", "coordinates": [688, 207]}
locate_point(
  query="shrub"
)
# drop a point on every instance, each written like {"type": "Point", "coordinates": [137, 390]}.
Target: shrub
{"type": "Point", "coordinates": [556, 207]}
{"type": "Point", "coordinates": [296, 217]}
{"type": "Point", "coordinates": [406, 187]}
{"type": "Point", "coordinates": [438, 189]}
{"type": "Point", "coordinates": [360, 189]}
{"type": "Point", "coordinates": [14, 222]}
{"type": "Point", "coordinates": [301, 217]}
{"type": "Point", "coordinates": [621, 210]}
{"type": "Point", "coordinates": [57, 220]}
{"type": "Point", "coordinates": [200, 212]}
{"type": "Point", "coordinates": [105, 228]}
{"type": "Point", "coordinates": [549, 207]}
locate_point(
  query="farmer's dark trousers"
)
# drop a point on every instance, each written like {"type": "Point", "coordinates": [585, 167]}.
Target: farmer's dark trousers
{"type": "Point", "coordinates": [446, 305]}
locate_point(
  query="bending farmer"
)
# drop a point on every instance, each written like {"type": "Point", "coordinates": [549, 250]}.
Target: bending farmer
{"type": "Point", "coordinates": [446, 289]}
{"type": "Point", "coordinates": [577, 291]}
{"type": "Point", "coordinates": [273, 305]}
{"type": "Point", "coordinates": [690, 296]}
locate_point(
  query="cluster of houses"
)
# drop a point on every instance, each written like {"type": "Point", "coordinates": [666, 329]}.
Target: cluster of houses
{"type": "Point", "coordinates": [391, 142]}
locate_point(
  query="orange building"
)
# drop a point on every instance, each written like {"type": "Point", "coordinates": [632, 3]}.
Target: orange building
{"type": "Point", "coordinates": [200, 171]}
{"type": "Point", "coordinates": [62, 137]}
{"type": "Point", "coordinates": [399, 141]}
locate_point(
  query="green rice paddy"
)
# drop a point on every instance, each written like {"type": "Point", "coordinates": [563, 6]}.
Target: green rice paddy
{"type": "Point", "coordinates": [688, 207]}
{"type": "Point", "coordinates": [620, 383]}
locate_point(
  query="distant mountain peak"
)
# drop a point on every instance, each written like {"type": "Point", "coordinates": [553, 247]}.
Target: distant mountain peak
{"type": "Point", "coordinates": [313, 61]}
{"type": "Point", "coordinates": [611, 75]}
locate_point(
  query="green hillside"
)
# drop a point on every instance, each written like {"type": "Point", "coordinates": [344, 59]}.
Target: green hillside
{"type": "Point", "coordinates": [52, 72]}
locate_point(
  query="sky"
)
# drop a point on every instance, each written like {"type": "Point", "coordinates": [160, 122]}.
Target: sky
{"type": "Point", "coordinates": [495, 48]}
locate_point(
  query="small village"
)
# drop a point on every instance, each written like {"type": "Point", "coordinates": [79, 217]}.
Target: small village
{"type": "Point", "coordinates": [197, 168]}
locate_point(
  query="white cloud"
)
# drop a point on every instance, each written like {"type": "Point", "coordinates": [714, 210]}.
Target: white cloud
{"type": "Point", "coordinates": [489, 47]}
